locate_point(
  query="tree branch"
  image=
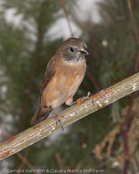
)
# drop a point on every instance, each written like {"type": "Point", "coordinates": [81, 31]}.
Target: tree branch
{"type": "Point", "coordinates": [71, 114]}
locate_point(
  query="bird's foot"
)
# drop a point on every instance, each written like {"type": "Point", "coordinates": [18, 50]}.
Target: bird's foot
{"type": "Point", "coordinates": [72, 103]}
{"type": "Point", "coordinates": [56, 117]}
{"type": "Point", "coordinates": [89, 95]}
{"type": "Point", "coordinates": [82, 100]}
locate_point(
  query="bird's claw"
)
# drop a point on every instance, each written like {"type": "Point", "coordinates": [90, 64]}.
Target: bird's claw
{"type": "Point", "coordinates": [73, 103]}
{"type": "Point", "coordinates": [58, 121]}
{"type": "Point", "coordinates": [89, 95]}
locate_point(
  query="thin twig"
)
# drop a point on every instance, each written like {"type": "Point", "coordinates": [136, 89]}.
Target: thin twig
{"type": "Point", "coordinates": [135, 31]}
{"type": "Point", "coordinates": [59, 160]}
{"type": "Point", "coordinates": [25, 156]}
{"type": "Point", "coordinates": [125, 127]}
{"type": "Point", "coordinates": [92, 79]}
{"type": "Point", "coordinates": [137, 63]}
{"type": "Point", "coordinates": [27, 163]}
{"type": "Point", "coordinates": [133, 20]}
{"type": "Point", "coordinates": [67, 17]}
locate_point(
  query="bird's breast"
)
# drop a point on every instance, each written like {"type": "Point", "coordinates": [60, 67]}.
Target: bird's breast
{"type": "Point", "coordinates": [70, 77]}
{"type": "Point", "coordinates": [64, 83]}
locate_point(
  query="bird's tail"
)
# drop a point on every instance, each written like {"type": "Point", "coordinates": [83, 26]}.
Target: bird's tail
{"type": "Point", "coordinates": [41, 115]}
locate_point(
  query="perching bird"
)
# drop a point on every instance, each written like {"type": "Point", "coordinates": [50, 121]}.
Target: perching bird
{"type": "Point", "coordinates": [64, 74]}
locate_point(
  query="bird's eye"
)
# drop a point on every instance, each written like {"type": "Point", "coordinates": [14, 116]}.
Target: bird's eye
{"type": "Point", "coordinates": [71, 49]}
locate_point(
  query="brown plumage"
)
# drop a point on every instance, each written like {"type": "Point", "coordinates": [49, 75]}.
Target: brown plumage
{"type": "Point", "coordinates": [64, 74]}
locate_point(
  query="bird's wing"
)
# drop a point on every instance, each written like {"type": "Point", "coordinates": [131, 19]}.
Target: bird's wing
{"type": "Point", "coordinates": [48, 74]}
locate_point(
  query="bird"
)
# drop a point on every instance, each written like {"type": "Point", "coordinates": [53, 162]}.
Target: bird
{"type": "Point", "coordinates": [64, 73]}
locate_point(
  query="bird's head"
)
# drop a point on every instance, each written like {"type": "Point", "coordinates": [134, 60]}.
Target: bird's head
{"type": "Point", "coordinates": [73, 50]}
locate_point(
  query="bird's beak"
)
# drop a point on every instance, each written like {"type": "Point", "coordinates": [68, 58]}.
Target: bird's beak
{"type": "Point", "coordinates": [83, 50]}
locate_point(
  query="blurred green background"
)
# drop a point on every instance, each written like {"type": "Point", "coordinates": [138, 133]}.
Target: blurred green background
{"type": "Point", "coordinates": [28, 39]}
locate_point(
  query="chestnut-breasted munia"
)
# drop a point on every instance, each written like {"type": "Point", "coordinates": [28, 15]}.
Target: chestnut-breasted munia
{"type": "Point", "coordinates": [64, 74]}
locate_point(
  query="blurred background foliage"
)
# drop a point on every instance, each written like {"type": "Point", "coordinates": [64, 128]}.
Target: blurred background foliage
{"type": "Point", "coordinates": [97, 141]}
